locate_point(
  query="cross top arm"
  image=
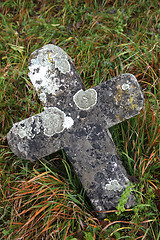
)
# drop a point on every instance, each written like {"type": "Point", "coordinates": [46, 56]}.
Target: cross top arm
{"type": "Point", "coordinates": [54, 76]}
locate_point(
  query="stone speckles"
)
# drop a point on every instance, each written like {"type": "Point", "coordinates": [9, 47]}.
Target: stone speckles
{"type": "Point", "coordinates": [84, 100]}
{"type": "Point", "coordinates": [77, 120]}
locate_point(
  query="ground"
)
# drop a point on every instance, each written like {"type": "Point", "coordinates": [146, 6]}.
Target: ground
{"type": "Point", "coordinates": [44, 199]}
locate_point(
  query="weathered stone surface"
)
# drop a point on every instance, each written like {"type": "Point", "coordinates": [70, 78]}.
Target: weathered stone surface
{"type": "Point", "coordinates": [77, 120]}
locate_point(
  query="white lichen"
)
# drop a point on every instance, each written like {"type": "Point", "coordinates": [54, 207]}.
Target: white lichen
{"type": "Point", "coordinates": [68, 122]}
{"type": "Point", "coordinates": [42, 67]}
{"type": "Point", "coordinates": [125, 86]}
{"type": "Point", "coordinates": [24, 128]}
{"type": "Point", "coordinates": [43, 98]}
{"type": "Point", "coordinates": [113, 186]}
{"type": "Point", "coordinates": [52, 121]}
{"type": "Point", "coordinates": [84, 100]}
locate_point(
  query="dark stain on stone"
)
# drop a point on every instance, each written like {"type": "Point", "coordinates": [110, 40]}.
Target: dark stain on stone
{"type": "Point", "coordinates": [83, 114]}
{"type": "Point", "coordinates": [39, 81]}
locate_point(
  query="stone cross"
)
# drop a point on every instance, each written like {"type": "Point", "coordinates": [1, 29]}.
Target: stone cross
{"type": "Point", "coordinates": [77, 120]}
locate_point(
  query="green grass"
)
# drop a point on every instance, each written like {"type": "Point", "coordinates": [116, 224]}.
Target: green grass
{"type": "Point", "coordinates": [45, 200]}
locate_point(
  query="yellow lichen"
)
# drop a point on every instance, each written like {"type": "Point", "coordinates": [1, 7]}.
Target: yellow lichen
{"type": "Point", "coordinates": [50, 59]}
{"type": "Point", "coordinates": [133, 105]}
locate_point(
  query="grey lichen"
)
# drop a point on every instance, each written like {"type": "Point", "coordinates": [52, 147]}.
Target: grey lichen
{"type": "Point", "coordinates": [84, 100]}
{"type": "Point", "coordinates": [59, 57]}
{"type": "Point", "coordinates": [113, 186]}
{"type": "Point", "coordinates": [52, 120]}
{"type": "Point", "coordinates": [55, 121]}
{"type": "Point", "coordinates": [24, 128]}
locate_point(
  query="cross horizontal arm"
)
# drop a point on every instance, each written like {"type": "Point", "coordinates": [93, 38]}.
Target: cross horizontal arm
{"type": "Point", "coordinates": [39, 135]}
{"type": "Point", "coordinates": [118, 99]}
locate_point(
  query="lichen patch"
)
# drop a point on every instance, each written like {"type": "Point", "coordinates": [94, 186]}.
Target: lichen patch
{"type": "Point", "coordinates": [42, 66]}
{"type": "Point", "coordinates": [25, 127]}
{"type": "Point", "coordinates": [113, 186]}
{"type": "Point", "coordinates": [55, 121]}
{"type": "Point", "coordinates": [43, 98]}
{"type": "Point", "coordinates": [84, 100]}
{"type": "Point", "coordinates": [125, 86]}
{"type": "Point", "coordinates": [50, 55]}
{"type": "Point", "coordinates": [52, 121]}
{"type": "Point", "coordinates": [68, 122]}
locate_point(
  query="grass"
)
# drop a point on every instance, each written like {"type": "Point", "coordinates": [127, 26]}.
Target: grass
{"type": "Point", "coordinates": [45, 200]}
